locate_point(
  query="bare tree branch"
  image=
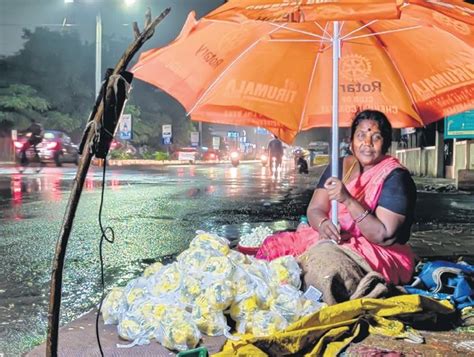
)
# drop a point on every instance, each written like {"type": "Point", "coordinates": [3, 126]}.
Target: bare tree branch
{"type": "Point", "coordinates": [83, 167]}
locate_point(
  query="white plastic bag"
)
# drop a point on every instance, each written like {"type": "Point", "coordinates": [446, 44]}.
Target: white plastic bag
{"type": "Point", "coordinates": [113, 306]}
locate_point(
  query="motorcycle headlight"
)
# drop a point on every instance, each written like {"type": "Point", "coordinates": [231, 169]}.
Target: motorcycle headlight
{"type": "Point", "coordinates": [234, 155]}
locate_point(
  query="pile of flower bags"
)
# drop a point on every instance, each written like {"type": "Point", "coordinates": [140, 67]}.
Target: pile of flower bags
{"type": "Point", "coordinates": [177, 303]}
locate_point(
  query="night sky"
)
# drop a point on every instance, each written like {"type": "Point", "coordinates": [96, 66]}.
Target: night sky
{"type": "Point", "coordinates": [116, 18]}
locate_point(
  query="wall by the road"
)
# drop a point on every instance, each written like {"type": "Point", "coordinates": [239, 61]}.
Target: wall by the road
{"type": "Point", "coordinates": [6, 149]}
{"type": "Point", "coordinates": [420, 162]}
{"type": "Point", "coordinates": [423, 162]}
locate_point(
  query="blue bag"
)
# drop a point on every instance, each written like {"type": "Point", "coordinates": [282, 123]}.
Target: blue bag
{"type": "Point", "coordinates": [446, 280]}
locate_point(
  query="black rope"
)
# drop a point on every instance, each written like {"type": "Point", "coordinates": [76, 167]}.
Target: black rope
{"type": "Point", "coordinates": [110, 240]}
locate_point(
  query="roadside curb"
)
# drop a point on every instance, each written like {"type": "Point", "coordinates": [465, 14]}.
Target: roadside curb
{"type": "Point", "coordinates": [164, 162]}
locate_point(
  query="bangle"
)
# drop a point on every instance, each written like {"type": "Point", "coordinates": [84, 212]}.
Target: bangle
{"type": "Point", "coordinates": [362, 216]}
{"type": "Point", "coordinates": [322, 221]}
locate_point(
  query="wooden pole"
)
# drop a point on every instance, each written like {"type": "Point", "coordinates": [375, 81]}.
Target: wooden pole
{"type": "Point", "coordinates": [82, 169]}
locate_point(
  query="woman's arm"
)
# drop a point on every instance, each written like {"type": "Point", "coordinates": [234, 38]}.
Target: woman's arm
{"type": "Point", "coordinates": [379, 228]}
{"type": "Point", "coordinates": [317, 214]}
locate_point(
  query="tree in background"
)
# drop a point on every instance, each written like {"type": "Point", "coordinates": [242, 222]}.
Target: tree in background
{"type": "Point", "coordinates": [18, 104]}
{"type": "Point", "coordinates": [59, 69]}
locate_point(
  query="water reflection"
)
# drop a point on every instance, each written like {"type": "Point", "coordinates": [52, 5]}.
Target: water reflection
{"type": "Point", "coordinates": [49, 188]}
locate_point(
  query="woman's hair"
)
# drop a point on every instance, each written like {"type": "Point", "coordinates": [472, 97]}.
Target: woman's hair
{"type": "Point", "coordinates": [384, 126]}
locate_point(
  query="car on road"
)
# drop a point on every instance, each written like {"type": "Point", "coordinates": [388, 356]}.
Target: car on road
{"type": "Point", "coordinates": [56, 147]}
{"type": "Point", "coordinates": [211, 155]}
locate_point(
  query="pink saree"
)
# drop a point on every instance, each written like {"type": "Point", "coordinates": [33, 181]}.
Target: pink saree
{"type": "Point", "coordinates": [396, 262]}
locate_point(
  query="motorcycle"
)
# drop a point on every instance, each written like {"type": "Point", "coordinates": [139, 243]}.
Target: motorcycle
{"type": "Point", "coordinates": [26, 154]}
{"type": "Point", "coordinates": [301, 164]}
{"type": "Point", "coordinates": [264, 160]}
{"type": "Point", "coordinates": [235, 158]}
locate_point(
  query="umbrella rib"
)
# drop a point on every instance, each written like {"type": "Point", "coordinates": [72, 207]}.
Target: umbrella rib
{"type": "Point", "coordinates": [221, 75]}
{"type": "Point", "coordinates": [310, 84]}
{"type": "Point", "coordinates": [375, 35]}
{"type": "Point", "coordinates": [358, 29]}
{"type": "Point", "coordinates": [324, 30]}
{"type": "Point", "coordinates": [301, 32]}
{"type": "Point", "coordinates": [385, 32]}
{"type": "Point", "coordinates": [294, 40]}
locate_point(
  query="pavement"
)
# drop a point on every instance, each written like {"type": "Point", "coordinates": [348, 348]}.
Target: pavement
{"type": "Point", "coordinates": [441, 241]}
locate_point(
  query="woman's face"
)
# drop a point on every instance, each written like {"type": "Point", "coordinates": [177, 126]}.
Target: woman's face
{"type": "Point", "coordinates": [367, 143]}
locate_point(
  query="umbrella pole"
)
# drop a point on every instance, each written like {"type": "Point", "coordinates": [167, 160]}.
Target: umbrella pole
{"type": "Point", "coordinates": [335, 112]}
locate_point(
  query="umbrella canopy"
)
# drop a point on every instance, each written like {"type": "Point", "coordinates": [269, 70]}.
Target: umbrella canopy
{"type": "Point", "coordinates": [416, 69]}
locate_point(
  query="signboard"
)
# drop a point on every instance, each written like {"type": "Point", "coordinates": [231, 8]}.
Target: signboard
{"type": "Point", "coordinates": [167, 141]}
{"type": "Point", "coordinates": [14, 134]}
{"type": "Point", "coordinates": [195, 138]}
{"type": "Point", "coordinates": [125, 127]}
{"type": "Point", "coordinates": [186, 155]}
{"type": "Point", "coordinates": [166, 131]}
{"type": "Point", "coordinates": [459, 126]}
{"type": "Point", "coordinates": [216, 142]}
{"type": "Point", "coordinates": [408, 131]}
{"type": "Point", "coordinates": [233, 134]}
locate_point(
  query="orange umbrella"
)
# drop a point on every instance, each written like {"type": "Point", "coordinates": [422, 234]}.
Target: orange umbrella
{"type": "Point", "coordinates": [417, 69]}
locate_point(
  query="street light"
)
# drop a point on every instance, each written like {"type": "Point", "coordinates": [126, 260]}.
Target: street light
{"type": "Point", "coordinates": [98, 45]}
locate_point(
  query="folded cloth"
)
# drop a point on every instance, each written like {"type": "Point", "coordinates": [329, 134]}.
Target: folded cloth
{"type": "Point", "coordinates": [341, 274]}
{"type": "Point", "coordinates": [330, 330]}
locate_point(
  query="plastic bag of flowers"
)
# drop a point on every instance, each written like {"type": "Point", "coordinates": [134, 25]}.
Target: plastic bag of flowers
{"type": "Point", "coordinates": [135, 289]}
{"type": "Point", "coordinates": [217, 269]}
{"type": "Point", "coordinates": [166, 282]}
{"type": "Point", "coordinates": [259, 268]}
{"type": "Point", "coordinates": [191, 288]}
{"type": "Point", "coordinates": [266, 323]}
{"type": "Point", "coordinates": [205, 240]}
{"type": "Point", "coordinates": [237, 257]}
{"type": "Point", "coordinates": [113, 306]}
{"type": "Point", "coordinates": [262, 291]}
{"type": "Point", "coordinates": [181, 335]}
{"type": "Point", "coordinates": [209, 321]}
{"type": "Point", "coordinates": [131, 328]}
{"type": "Point", "coordinates": [218, 296]}
{"type": "Point", "coordinates": [195, 258]}
{"type": "Point", "coordinates": [152, 269]}
{"type": "Point", "coordinates": [285, 270]}
{"type": "Point", "coordinates": [288, 301]}
{"type": "Point", "coordinates": [244, 308]}
{"type": "Point", "coordinates": [242, 283]}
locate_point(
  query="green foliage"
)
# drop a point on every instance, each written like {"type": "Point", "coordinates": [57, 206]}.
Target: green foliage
{"type": "Point", "coordinates": [18, 97]}
{"type": "Point", "coordinates": [61, 121]}
{"type": "Point", "coordinates": [120, 154]}
{"type": "Point", "coordinates": [161, 155]}
{"type": "Point", "coordinates": [18, 104]}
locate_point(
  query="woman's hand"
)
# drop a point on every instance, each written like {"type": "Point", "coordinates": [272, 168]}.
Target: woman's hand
{"type": "Point", "coordinates": [327, 230]}
{"type": "Point", "coordinates": [336, 190]}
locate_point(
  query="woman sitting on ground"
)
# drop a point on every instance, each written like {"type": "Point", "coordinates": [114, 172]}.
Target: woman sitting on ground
{"type": "Point", "coordinates": [376, 205]}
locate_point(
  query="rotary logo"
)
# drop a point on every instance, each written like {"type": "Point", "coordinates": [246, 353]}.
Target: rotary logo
{"type": "Point", "coordinates": [355, 67]}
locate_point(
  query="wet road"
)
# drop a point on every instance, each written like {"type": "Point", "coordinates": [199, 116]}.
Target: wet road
{"type": "Point", "coordinates": [154, 214]}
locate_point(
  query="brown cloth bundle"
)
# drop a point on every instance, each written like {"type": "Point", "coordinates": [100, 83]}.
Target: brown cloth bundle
{"type": "Point", "coordinates": [341, 274]}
